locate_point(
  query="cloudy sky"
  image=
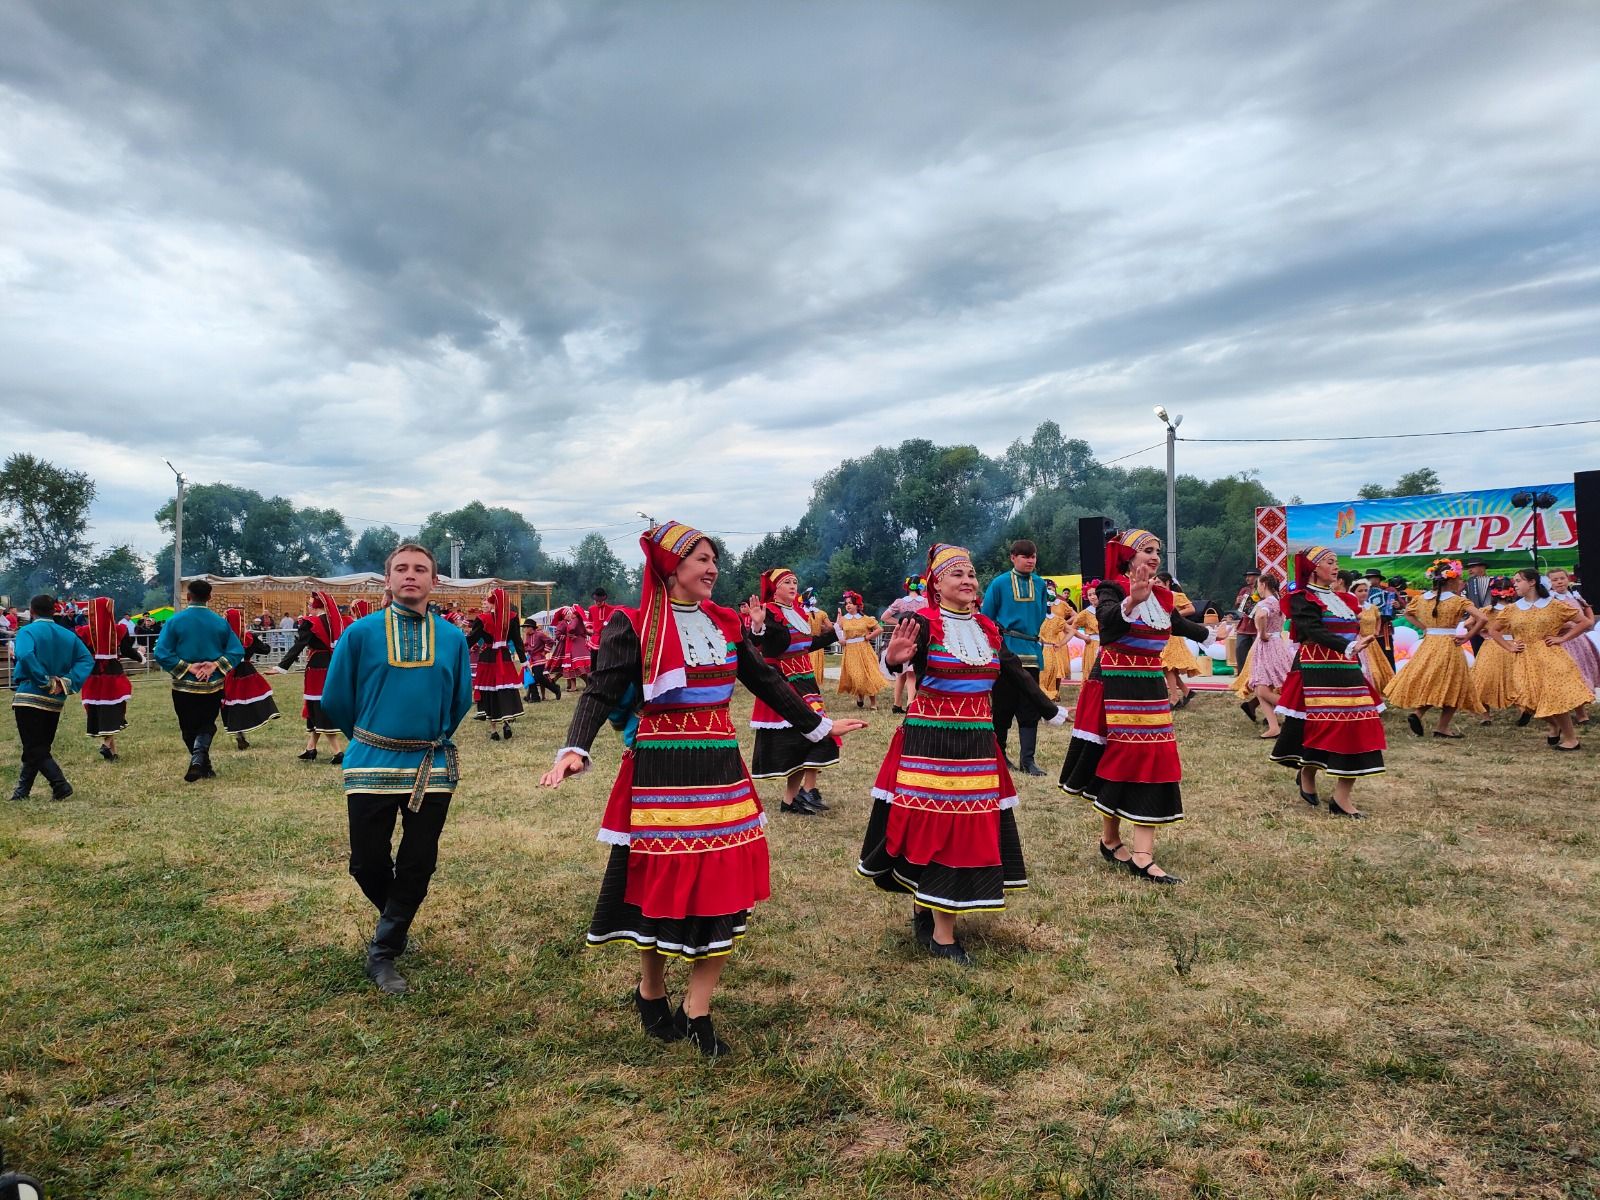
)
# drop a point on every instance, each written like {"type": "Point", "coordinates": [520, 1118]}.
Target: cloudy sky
{"type": "Point", "coordinates": [583, 259]}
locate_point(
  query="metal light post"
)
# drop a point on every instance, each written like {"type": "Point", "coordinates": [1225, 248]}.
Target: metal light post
{"type": "Point", "coordinates": [455, 557]}
{"type": "Point", "coordinates": [177, 541]}
{"type": "Point", "coordinates": [1536, 503]}
{"type": "Point", "coordinates": [1172, 424]}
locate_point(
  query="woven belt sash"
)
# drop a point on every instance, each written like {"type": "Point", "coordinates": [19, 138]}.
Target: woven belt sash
{"type": "Point", "coordinates": [452, 759]}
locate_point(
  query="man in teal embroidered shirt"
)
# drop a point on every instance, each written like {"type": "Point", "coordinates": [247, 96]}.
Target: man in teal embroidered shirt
{"type": "Point", "coordinates": [198, 648]}
{"type": "Point", "coordinates": [49, 664]}
{"type": "Point", "coordinates": [1016, 602]}
{"type": "Point", "coordinates": [399, 683]}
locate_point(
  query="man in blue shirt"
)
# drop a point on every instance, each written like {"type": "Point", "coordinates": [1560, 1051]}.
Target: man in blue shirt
{"type": "Point", "coordinates": [398, 685]}
{"type": "Point", "coordinates": [198, 648]}
{"type": "Point", "coordinates": [1016, 601]}
{"type": "Point", "coordinates": [50, 663]}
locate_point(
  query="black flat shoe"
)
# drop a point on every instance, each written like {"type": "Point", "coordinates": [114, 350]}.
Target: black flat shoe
{"type": "Point", "coordinates": [1567, 749]}
{"type": "Point", "coordinates": [1249, 708]}
{"type": "Point", "coordinates": [239, 742]}
{"type": "Point", "coordinates": [656, 1017]}
{"type": "Point", "coordinates": [800, 808]}
{"type": "Point", "coordinates": [1527, 715]}
{"type": "Point", "coordinates": [861, 703]}
{"type": "Point", "coordinates": [701, 1035]}
{"type": "Point", "coordinates": [1414, 723]}
{"type": "Point", "coordinates": [337, 759]}
{"type": "Point", "coordinates": [494, 735]}
{"type": "Point", "coordinates": [954, 952]}
{"type": "Point", "coordinates": [1449, 737]}
{"type": "Point", "coordinates": [306, 755]}
{"type": "Point", "coordinates": [107, 753]}
{"type": "Point", "coordinates": [1553, 740]}
{"type": "Point", "coordinates": [1336, 811]}
{"type": "Point", "coordinates": [1109, 853]}
{"type": "Point", "coordinates": [922, 925]}
{"type": "Point", "coordinates": [895, 708]}
{"type": "Point", "coordinates": [1144, 872]}
{"type": "Point", "coordinates": [1310, 798]}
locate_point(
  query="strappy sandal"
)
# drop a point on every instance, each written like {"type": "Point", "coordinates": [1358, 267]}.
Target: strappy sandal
{"type": "Point", "coordinates": [1109, 853]}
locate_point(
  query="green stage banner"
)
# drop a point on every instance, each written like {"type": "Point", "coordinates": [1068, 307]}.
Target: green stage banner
{"type": "Point", "coordinates": [1401, 536]}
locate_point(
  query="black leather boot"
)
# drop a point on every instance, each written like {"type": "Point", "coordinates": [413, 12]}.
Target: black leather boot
{"type": "Point", "coordinates": [656, 1017]}
{"type": "Point", "coordinates": [60, 789]}
{"type": "Point", "coordinates": [202, 747]}
{"type": "Point", "coordinates": [388, 943]}
{"type": "Point", "coordinates": [25, 783]}
{"type": "Point", "coordinates": [1028, 741]}
{"type": "Point", "coordinates": [700, 1034]}
{"type": "Point", "coordinates": [197, 766]}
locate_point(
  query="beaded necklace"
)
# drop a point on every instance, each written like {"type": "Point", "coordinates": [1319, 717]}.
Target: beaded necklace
{"type": "Point", "coordinates": [964, 638]}
{"type": "Point", "coordinates": [702, 642]}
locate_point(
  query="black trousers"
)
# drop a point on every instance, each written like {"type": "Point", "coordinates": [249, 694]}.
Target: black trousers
{"type": "Point", "coordinates": [1241, 649]}
{"type": "Point", "coordinates": [197, 716]}
{"type": "Point", "coordinates": [36, 730]}
{"type": "Point", "coordinates": [403, 876]}
{"type": "Point", "coordinates": [1008, 707]}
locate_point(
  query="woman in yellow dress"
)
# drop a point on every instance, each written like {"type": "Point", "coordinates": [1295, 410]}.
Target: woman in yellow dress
{"type": "Point", "coordinates": [1055, 664]}
{"type": "Point", "coordinates": [1437, 675]}
{"type": "Point", "coordinates": [1491, 673]}
{"type": "Point", "coordinates": [1177, 660]}
{"type": "Point", "coordinates": [1545, 682]}
{"type": "Point", "coordinates": [1374, 662]}
{"type": "Point", "coordinates": [819, 621]}
{"type": "Point", "coordinates": [1086, 626]}
{"type": "Point", "coordinates": [859, 675]}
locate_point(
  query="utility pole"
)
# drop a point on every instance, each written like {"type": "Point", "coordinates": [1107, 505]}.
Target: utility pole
{"type": "Point", "coordinates": [1172, 488]}
{"type": "Point", "coordinates": [455, 557]}
{"type": "Point", "coordinates": [177, 541]}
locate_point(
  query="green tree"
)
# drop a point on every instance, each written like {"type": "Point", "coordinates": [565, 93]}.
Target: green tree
{"type": "Point", "coordinates": [121, 574]}
{"type": "Point", "coordinates": [592, 564]}
{"type": "Point", "coordinates": [214, 515]}
{"type": "Point", "coordinates": [229, 530]}
{"type": "Point", "coordinates": [1423, 481]}
{"type": "Point", "coordinates": [43, 542]}
{"type": "Point", "coordinates": [372, 548]}
{"type": "Point", "coordinates": [495, 542]}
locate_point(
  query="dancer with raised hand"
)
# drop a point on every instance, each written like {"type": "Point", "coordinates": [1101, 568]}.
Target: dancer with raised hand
{"type": "Point", "coordinates": [1124, 754]}
{"type": "Point", "coordinates": [48, 664]}
{"type": "Point", "coordinates": [859, 675]}
{"type": "Point", "coordinates": [316, 634]}
{"type": "Point", "coordinates": [1332, 719]}
{"type": "Point", "coordinates": [398, 685]}
{"type": "Point", "coordinates": [943, 824]}
{"type": "Point", "coordinates": [1437, 675]}
{"type": "Point", "coordinates": [106, 691]}
{"type": "Point", "coordinates": [496, 681]}
{"type": "Point", "coordinates": [688, 844]}
{"type": "Point", "coordinates": [198, 649]}
{"type": "Point", "coordinates": [247, 700]}
{"type": "Point", "coordinates": [782, 752]}
{"type": "Point", "coordinates": [1271, 655]}
{"type": "Point", "coordinates": [1545, 682]}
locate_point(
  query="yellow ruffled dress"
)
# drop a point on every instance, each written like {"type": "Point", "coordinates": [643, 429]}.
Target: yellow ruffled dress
{"type": "Point", "coordinates": [858, 663]}
{"type": "Point", "coordinates": [1374, 662]}
{"type": "Point", "coordinates": [1543, 678]}
{"type": "Point", "coordinates": [1177, 656]}
{"type": "Point", "coordinates": [819, 658]}
{"type": "Point", "coordinates": [1087, 626]}
{"type": "Point", "coordinates": [1055, 662]}
{"type": "Point", "coordinates": [1437, 675]}
{"type": "Point", "coordinates": [1491, 673]}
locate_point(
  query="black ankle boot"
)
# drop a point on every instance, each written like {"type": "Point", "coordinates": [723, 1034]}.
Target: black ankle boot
{"type": "Point", "coordinates": [657, 1018]}
{"type": "Point", "coordinates": [700, 1034]}
{"type": "Point", "coordinates": [197, 766]}
{"type": "Point", "coordinates": [239, 742]}
{"type": "Point", "coordinates": [60, 789]}
{"type": "Point", "coordinates": [389, 943]}
{"type": "Point", "coordinates": [25, 783]}
{"type": "Point", "coordinates": [1027, 742]}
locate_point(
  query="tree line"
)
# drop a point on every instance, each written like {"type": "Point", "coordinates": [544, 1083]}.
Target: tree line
{"type": "Point", "coordinates": [866, 527]}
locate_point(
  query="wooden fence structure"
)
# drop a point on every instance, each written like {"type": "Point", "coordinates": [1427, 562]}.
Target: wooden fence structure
{"type": "Point", "coordinates": [282, 595]}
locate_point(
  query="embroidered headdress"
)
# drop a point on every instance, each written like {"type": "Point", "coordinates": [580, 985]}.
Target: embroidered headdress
{"type": "Point", "coordinates": [942, 556]}
{"type": "Point", "coordinates": [103, 637]}
{"type": "Point", "coordinates": [1305, 562]}
{"type": "Point", "coordinates": [1121, 549]}
{"type": "Point", "coordinates": [665, 547]}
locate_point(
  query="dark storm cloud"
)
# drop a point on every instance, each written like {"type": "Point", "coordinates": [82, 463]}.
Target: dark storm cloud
{"type": "Point", "coordinates": [294, 238]}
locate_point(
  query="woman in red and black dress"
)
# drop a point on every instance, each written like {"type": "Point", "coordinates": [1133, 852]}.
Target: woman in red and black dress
{"type": "Point", "coordinates": [572, 644]}
{"type": "Point", "coordinates": [687, 833]}
{"type": "Point", "coordinates": [315, 635]}
{"type": "Point", "coordinates": [943, 825]}
{"type": "Point", "coordinates": [496, 679]}
{"type": "Point", "coordinates": [106, 691]}
{"type": "Point", "coordinates": [1331, 716]}
{"type": "Point", "coordinates": [247, 701]}
{"type": "Point", "coordinates": [1124, 753]}
{"type": "Point", "coordinates": [781, 751]}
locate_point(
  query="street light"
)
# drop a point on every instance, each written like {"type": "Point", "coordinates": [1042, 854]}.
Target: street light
{"type": "Point", "coordinates": [455, 555]}
{"type": "Point", "coordinates": [177, 539]}
{"type": "Point", "coordinates": [1172, 424]}
{"type": "Point", "coordinates": [1537, 502]}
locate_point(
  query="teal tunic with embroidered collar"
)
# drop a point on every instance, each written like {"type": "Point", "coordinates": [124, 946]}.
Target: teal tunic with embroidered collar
{"type": "Point", "coordinates": [1017, 604]}
{"type": "Point", "coordinates": [399, 675]}
{"type": "Point", "coordinates": [197, 635]}
{"type": "Point", "coordinates": [45, 652]}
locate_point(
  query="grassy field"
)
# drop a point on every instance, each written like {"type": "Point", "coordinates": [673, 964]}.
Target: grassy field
{"type": "Point", "coordinates": [1404, 1007]}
